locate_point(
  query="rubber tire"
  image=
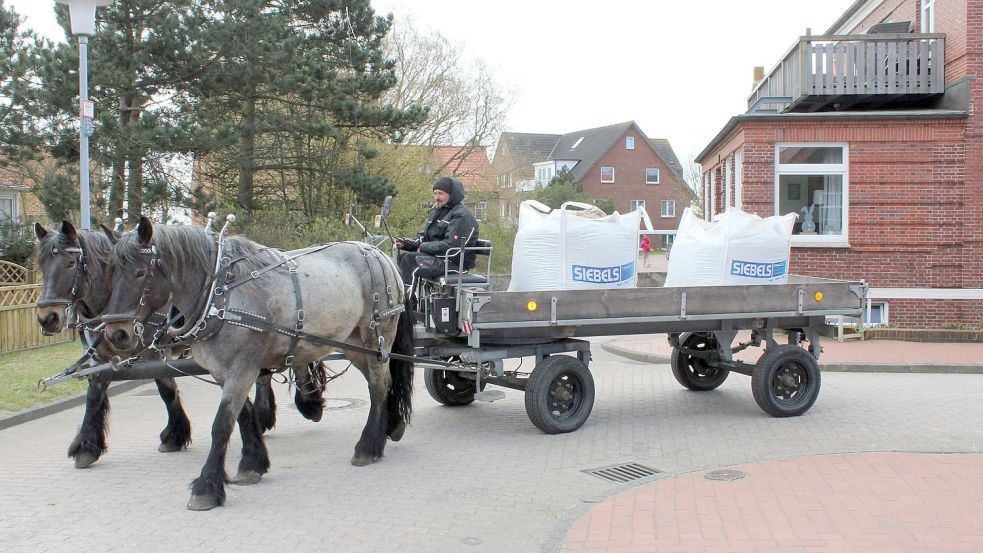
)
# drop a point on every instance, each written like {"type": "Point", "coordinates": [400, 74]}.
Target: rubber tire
{"type": "Point", "coordinates": [449, 388]}
{"type": "Point", "coordinates": [685, 367]}
{"type": "Point", "coordinates": [552, 370]}
{"type": "Point", "coordinates": [771, 366]}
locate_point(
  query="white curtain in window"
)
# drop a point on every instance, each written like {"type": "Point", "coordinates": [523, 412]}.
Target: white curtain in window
{"type": "Point", "coordinates": [831, 212]}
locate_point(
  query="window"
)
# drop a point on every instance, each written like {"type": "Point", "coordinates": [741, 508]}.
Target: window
{"type": "Point", "coordinates": [480, 211]}
{"type": "Point", "coordinates": [577, 143]}
{"type": "Point", "coordinates": [928, 16]}
{"type": "Point", "coordinates": [667, 240]}
{"type": "Point", "coordinates": [7, 207]}
{"type": "Point", "coordinates": [607, 174]}
{"type": "Point", "coordinates": [635, 205]}
{"type": "Point", "coordinates": [667, 208]}
{"type": "Point", "coordinates": [652, 175]}
{"type": "Point", "coordinates": [811, 181]}
{"type": "Point", "coordinates": [629, 142]}
{"type": "Point", "coordinates": [876, 313]}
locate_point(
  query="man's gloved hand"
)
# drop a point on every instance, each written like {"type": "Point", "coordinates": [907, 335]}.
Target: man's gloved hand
{"type": "Point", "coordinates": [408, 244]}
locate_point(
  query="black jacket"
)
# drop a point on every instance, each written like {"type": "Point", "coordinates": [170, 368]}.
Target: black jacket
{"type": "Point", "coordinates": [449, 227]}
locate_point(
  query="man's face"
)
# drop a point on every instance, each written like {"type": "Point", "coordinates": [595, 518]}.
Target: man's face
{"type": "Point", "coordinates": [440, 197]}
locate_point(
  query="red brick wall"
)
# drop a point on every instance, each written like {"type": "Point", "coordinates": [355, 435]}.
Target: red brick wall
{"type": "Point", "coordinates": [909, 226]}
{"type": "Point", "coordinates": [629, 175]}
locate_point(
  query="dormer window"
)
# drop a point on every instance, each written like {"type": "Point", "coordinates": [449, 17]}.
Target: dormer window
{"type": "Point", "coordinates": [577, 143]}
{"type": "Point", "coordinates": [629, 142]}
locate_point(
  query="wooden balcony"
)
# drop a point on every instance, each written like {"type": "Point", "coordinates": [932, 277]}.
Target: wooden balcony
{"type": "Point", "coordinates": [824, 72]}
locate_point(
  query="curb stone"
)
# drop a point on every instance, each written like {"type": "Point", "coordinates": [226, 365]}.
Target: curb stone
{"type": "Point", "coordinates": [661, 359]}
{"type": "Point", "coordinates": [63, 404]}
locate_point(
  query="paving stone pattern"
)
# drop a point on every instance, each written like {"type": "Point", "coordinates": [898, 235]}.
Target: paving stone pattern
{"type": "Point", "coordinates": [471, 479]}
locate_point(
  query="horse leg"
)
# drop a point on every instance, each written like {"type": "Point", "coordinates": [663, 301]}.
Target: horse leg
{"type": "Point", "coordinates": [177, 434]}
{"type": "Point", "coordinates": [265, 404]}
{"type": "Point", "coordinates": [255, 460]}
{"type": "Point", "coordinates": [371, 445]}
{"type": "Point", "coordinates": [90, 442]}
{"type": "Point", "coordinates": [309, 397]}
{"type": "Point", "coordinates": [208, 490]}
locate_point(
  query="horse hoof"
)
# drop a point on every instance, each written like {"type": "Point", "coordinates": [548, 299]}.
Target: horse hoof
{"type": "Point", "coordinates": [363, 460]}
{"type": "Point", "coordinates": [247, 478]}
{"type": "Point", "coordinates": [397, 433]}
{"type": "Point", "coordinates": [202, 503]}
{"type": "Point", "coordinates": [169, 448]}
{"type": "Point", "coordinates": [85, 459]}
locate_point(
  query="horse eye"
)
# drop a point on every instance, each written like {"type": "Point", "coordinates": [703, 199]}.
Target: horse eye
{"type": "Point", "coordinates": [71, 264]}
{"type": "Point", "coordinates": [141, 273]}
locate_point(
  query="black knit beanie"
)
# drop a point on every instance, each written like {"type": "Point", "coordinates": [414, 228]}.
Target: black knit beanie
{"type": "Point", "coordinates": [444, 183]}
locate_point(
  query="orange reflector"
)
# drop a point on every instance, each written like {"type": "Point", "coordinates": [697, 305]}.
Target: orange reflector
{"type": "Point", "coordinates": [818, 296]}
{"type": "Point", "coordinates": [532, 306]}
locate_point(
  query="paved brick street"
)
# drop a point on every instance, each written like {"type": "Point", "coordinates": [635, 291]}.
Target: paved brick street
{"type": "Point", "coordinates": [472, 479]}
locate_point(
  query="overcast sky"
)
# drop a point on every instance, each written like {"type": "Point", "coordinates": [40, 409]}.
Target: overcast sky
{"type": "Point", "coordinates": [679, 69]}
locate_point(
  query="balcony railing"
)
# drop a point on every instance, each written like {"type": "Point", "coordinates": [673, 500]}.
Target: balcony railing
{"type": "Point", "coordinates": [821, 69]}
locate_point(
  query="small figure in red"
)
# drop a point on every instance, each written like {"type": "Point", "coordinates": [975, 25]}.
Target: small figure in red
{"type": "Point", "coordinates": [646, 247]}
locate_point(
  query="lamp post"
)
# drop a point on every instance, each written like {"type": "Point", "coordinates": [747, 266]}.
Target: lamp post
{"type": "Point", "coordinates": [83, 17]}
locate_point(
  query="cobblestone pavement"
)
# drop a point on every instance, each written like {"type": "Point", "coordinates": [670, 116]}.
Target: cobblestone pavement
{"type": "Point", "coordinates": [471, 479]}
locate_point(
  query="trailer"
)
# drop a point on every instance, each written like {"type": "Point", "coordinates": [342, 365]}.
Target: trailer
{"type": "Point", "coordinates": [480, 329]}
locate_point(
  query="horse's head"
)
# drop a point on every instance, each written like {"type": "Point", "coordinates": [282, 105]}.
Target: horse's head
{"type": "Point", "coordinates": [139, 287]}
{"type": "Point", "coordinates": [74, 276]}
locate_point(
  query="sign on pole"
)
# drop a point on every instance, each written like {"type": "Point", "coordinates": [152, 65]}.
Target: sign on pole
{"type": "Point", "coordinates": [88, 109]}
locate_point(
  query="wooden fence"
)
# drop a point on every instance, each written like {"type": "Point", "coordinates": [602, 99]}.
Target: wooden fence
{"type": "Point", "coordinates": [18, 312]}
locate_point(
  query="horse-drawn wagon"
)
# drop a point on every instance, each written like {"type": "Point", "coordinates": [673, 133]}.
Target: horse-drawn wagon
{"type": "Point", "coordinates": [244, 311]}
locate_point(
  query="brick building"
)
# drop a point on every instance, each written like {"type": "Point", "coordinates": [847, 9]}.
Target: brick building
{"type": "Point", "coordinates": [873, 135]}
{"type": "Point", "coordinates": [617, 162]}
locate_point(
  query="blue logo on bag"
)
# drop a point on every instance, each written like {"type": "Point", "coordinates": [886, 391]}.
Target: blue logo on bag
{"type": "Point", "coordinates": [603, 275]}
{"type": "Point", "coordinates": [758, 270]}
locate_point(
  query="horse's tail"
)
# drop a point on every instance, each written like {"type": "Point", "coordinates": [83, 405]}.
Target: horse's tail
{"type": "Point", "coordinates": [399, 399]}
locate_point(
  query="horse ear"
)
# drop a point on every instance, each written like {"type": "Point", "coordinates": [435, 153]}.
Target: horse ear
{"type": "Point", "coordinates": [69, 231]}
{"type": "Point", "coordinates": [145, 231]}
{"type": "Point", "coordinates": [113, 237]}
{"type": "Point", "coordinates": [40, 231]}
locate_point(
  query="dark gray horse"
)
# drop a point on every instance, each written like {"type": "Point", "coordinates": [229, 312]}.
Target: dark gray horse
{"type": "Point", "coordinates": [75, 266]}
{"type": "Point", "coordinates": [349, 292]}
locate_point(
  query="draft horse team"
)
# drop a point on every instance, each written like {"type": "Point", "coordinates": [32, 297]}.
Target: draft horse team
{"type": "Point", "coordinates": [243, 310]}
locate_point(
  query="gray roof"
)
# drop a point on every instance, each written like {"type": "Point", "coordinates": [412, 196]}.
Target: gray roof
{"type": "Point", "coordinates": [527, 148]}
{"type": "Point", "coordinates": [595, 143]}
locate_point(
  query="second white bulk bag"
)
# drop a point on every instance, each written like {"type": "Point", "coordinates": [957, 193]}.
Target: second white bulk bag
{"type": "Point", "coordinates": [571, 248]}
{"type": "Point", "coordinates": [737, 248]}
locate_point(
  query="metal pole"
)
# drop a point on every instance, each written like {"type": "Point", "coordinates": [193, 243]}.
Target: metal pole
{"type": "Point", "coordinates": [84, 132]}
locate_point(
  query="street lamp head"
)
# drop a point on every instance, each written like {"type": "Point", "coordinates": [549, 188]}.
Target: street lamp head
{"type": "Point", "coordinates": [83, 14]}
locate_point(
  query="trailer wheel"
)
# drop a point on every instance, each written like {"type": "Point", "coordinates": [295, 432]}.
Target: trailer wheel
{"type": "Point", "coordinates": [559, 394]}
{"type": "Point", "coordinates": [694, 372]}
{"type": "Point", "coordinates": [785, 381]}
{"type": "Point", "coordinates": [450, 388]}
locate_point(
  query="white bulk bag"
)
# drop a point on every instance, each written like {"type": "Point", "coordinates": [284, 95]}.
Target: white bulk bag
{"type": "Point", "coordinates": [561, 250]}
{"type": "Point", "coordinates": [737, 249]}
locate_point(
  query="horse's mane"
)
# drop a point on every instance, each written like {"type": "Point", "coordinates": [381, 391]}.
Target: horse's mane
{"type": "Point", "coordinates": [96, 245]}
{"type": "Point", "coordinates": [186, 252]}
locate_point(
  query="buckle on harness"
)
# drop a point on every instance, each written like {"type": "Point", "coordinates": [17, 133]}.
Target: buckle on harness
{"type": "Point", "coordinates": [254, 274]}
{"type": "Point", "coordinates": [288, 361]}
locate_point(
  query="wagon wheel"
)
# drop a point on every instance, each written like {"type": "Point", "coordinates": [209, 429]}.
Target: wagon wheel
{"type": "Point", "coordinates": [694, 372]}
{"type": "Point", "coordinates": [450, 388]}
{"type": "Point", "coordinates": [559, 394]}
{"type": "Point", "coordinates": [785, 381]}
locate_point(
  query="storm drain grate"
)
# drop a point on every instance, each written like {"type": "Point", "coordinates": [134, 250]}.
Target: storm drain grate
{"type": "Point", "coordinates": [625, 472]}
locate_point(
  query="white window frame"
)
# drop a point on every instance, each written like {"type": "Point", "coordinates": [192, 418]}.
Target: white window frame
{"type": "Point", "coordinates": [713, 194]}
{"type": "Point", "coordinates": [667, 213]}
{"type": "Point", "coordinates": [728, 182]}
{"type": "Point", "coordinates": [927, 11]}
{"type": "Point", "coordinates": [602, 175]}
{"type": "Point", "coordinates": [481, 211]}
{"type": "Point", "coordinates": [633, 205]}
{"type": "Point", "coordinates": [842, 169]}
{"type": "Point", "coordinates": [658, 175]}
{"type": "Point", "coordinates": [739, 179]}
{"type": "Point", "coordinates": [14, 207]}
{"type": "Point", "coordinates": [629, 142]}
{"type": "Point", "coordinates": [884, 312]}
